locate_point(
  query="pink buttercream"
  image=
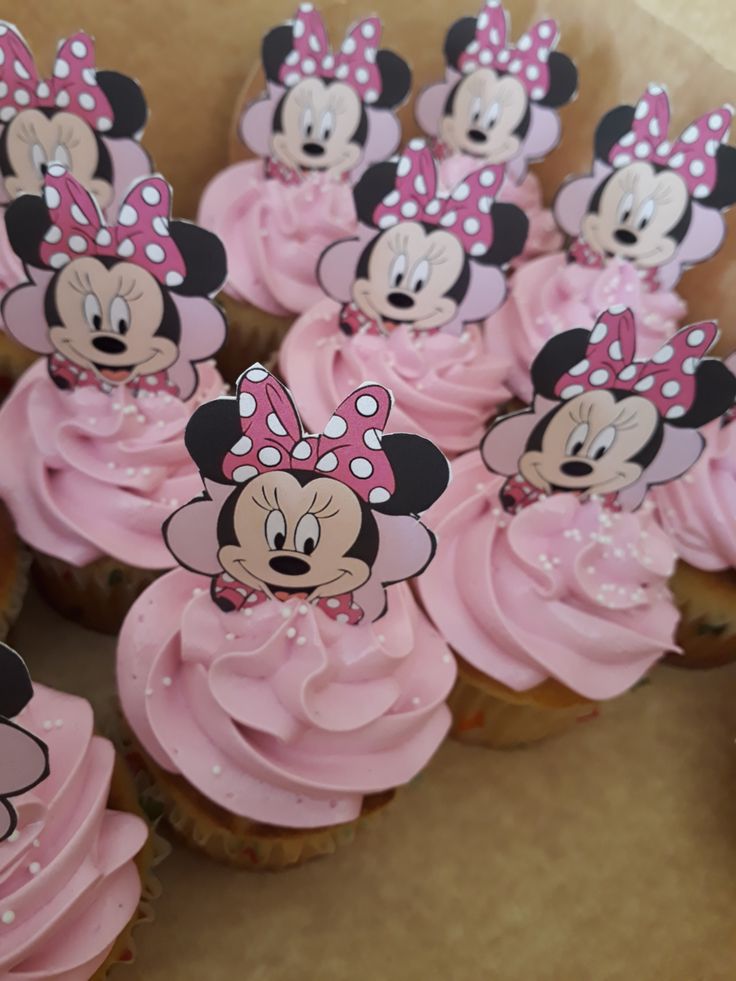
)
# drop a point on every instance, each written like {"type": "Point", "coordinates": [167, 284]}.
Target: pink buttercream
{"type": "Point", "coordinates": [274, 234]}
{"type": "Point", "coordinates": [550, 295]}
{"type": "Point", "coordinates": [699, 511]}
{"type": "Point", "coordinates": [278, 713]}
{"type": "Point", "coordinates": [562, 590]}
{"type": "Point", "coordinates": [67, 874]}
{"type": "Point", "coordinates": [445, 387]}
{"type": "Point", "coordinates": [87, 474]}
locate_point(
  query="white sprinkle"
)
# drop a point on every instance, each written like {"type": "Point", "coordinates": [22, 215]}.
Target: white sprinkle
{"type": "Point", "coordinates": [197, 591]}
{"type": "Point", "coordinates": [149, 692]}
{"type": "Point", "coordinates": [291, 633]}
{"type": "Point", "coordinates": [301, 641]}
{"type": "Point", "coordinates": [446, 658]}
{"type": "Point", "coordinates": [415, 700]}
{"type": "Point", "coordinates": [8, 917]}
{"type": "Point", "coordinates": [146, 471]}
{"type": "Point", "coordinates": [130, 471]}
{"type": "Point", "coordinates": [34, 868]}
{"type": "Point", "coordinates": [59, 723]}
{"type": "Point", "coordinates": [166, 682]}
{"type": "Point", "coordinates": [229, 636]}
{"type": "Point", "coordinates": [217, 769]}
{"type": "Point", "coordinates": [36, 843]}
{"type": "Point", "coordinates": [304, 609]}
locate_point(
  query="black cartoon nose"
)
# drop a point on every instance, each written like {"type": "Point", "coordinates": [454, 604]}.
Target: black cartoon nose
{"type": "Point", "coordinates": [108, 344]}
{"type": "Point", "coordinates": [400, 300]}
{"type": "Point", "coordinates": [625, 237]}
{"type": "Point", "coordinates": [477, 135]}
{"type": "Point", "coordinates": [289, 565]}
{"type": "Point", "coordinates": [313, 149]}
{"type": "Point", "coordinates": [576, 468]}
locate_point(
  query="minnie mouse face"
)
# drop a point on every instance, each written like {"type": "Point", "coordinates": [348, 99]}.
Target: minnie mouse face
{"type": "Point", "coordinates": [484, 116]}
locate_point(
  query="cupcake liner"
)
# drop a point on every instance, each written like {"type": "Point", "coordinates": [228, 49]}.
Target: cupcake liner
{"type": "Point", "coordinates": [707, 630]}
{"type": "Point", "coordinates": [14, 574]}
{"type": "Point", "coordinates": [487, 713]}
{"type": "Point", "coordinates": [14, 360]}
{"type": "Point", "coordinates": [98, 595]}
{"type": "Point", "coordinates": [252, 335]}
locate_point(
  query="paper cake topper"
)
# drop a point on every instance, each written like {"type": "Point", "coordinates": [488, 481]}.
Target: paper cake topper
{"type": "Point", "coordinates": [114, 304]}
{"type": "Point", "coordinates": [605, 424]}
{"type": "Point", "coordinates": [498, 101]}
{"type": "Point", "coordinates": [88, 120]}
{"type": "Point", "coordinates": [324, 111]}
{"type": "Point", "coordinates": [330, 519]}
{"type": "Point", "coordinates": [24, 759]}
{"type": "Point", "coordinates": [652, 200]}
{"type": "Point", "coordinates": [422, 259]}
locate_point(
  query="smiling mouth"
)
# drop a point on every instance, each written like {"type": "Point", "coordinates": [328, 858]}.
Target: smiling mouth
{"type": "Point", "coordinates": [116, 375]}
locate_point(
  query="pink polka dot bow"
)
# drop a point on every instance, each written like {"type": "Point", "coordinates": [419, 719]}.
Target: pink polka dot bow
{"type": "Point", "coordinates": [527, 60]}
{"type": "Point", "coordinates": [312, 57]}
{"type": "Point", "coordinates": [72, 86]}
{"type": "Point", "coordinates": [692, 155]}
{"type": "Point", "coordinates": [466, 213]}
{"type": "Point", "coordinates": [349, 449]}
{"type": "Point", "coordinates": [667, 379]}
{"type": "Point", "coordinates": [141, 235]}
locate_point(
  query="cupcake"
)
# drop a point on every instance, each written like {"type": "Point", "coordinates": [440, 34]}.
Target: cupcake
{"type": "Point", "coordinates": [649, 209]}
{"type": "Point", "coordinates": [407, 294]}
{"type": "Point", "coordinates": [16, 561]}
{"type": "Point", "coordinates": [94, 430]}
{"type": "Point", "coordinates": [553, 587]}
{"type": "Point", "coordinates": [87, 119]}
{"type": "Point", "coordinates": [75, 863]}
{"type": "Point", "coordinates": [278, 689]}
{"type": "Point", "coordinates": [498, 104]}
{"type": "Point", "coordinates": [322, 120]}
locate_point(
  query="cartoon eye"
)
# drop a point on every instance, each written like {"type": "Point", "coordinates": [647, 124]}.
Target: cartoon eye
{"type": "Point", "coordinates": [576, 440]}
{"type": "Point", "coordinates": [602, 443]}
{"type": "Point", "coordinates": [62, 156]}
{"type": "Point", "coordinates": [491, 116]}
{"type": "Point", "coordinates": [119, 315]}
{"type": "Point", "coordinates": [476, 108]}
{"type": "Point", "coordinates": [327, 125]}
{"type": "Point", "coordinates": [38, 159]}
{"type": "Point", "coordinates": [645, 214]}
{"type": "Point", "coordinates": [275, 530]}
{"type": "Point", "coordinates": [626, 206]}
{"type": "Point", "coordinates": [420, 276]}
{"type": "Point", "coordinates": [307, 123]}
{"type": "Point", "coordinates": [93, 312]}
{"type": "Point", "coordinates": [397, 270]}
{"type": "Point", "coordinates": [306, 536]}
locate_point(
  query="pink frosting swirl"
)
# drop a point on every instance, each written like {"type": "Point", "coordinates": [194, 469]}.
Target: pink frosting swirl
{"type": "Point", "coordinates": [279, 713]}
{"type": "Point", "coordinates": [445, 387]}
{"type": "Point", "coordinates": [274, 234]}
{"type": "Point", "coordinates": [87, 474]}
{"type": "Point", "coordinates": [562, 590]}
{"type": "Point", "coordinates": [697, 512]}
{"type": "Point", "coordinates": [68, 882]}
{"type": "Point", "coordinates": [550, 295]}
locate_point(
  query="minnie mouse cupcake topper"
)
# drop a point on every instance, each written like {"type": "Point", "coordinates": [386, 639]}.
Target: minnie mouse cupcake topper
{"type": "Point", "coordinates": [605, 424]}
{"type": "Point", "coordinates": [498, 102]}
{"type": "Point", "coordinates": [24, 759]}
{"type": "Point", "coordinates": [652, 200]}
{"type": "Point", "coordinates": [329, 519]}
{"type": "Point", "coordinates": [88, 120]}
{"type": "Point", "coordinates": [124, 304]}
{"type": "Point", "coordinates": [422, 259]}
{"type": "Point", "coordinates": [324, 111]}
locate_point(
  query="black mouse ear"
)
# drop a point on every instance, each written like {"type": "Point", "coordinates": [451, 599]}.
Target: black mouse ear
{"type": "Point", "coordinates": [557, 356]}
{"type": "Point", "coordinates": [563, 81]}
{"type": "Point", "coordinates": [610, 129]}
{"type": "Point", "coordinates": [378, 181]}
{"type": "Point", "coordinates": [421, 473]}
{"type": "Point", "coordinates": [130, 112]}
{"type": "Point", "coordinates": [276, 45]}
{"type": "Point", "coordinates": [723, 194]}
{"type": "Point", "coordinates": [458, 38]}
{"type": "Point", "coordinates": [715, 393]}
{"type": "Point", "coordinates": [395, 80]}
{"type": "Point", "coordinates": [213, 430]}
{"type": "Point", "coordinates": [27, 220]}
{"type": "Point", "coordinates": [16, 689]}
{"type": "Point", "coordinates": [204, 257]}
{"type": "Point", "coordinates": [510, 230]}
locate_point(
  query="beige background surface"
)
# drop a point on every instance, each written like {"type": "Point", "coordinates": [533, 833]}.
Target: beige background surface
{"type": "Point", "coordinates": [609, 854]}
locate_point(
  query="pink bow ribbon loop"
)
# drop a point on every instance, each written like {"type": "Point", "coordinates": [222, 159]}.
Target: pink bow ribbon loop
{"type": "Point", "coordinates": [692, 155]}
{"type": "Point", "coordinates": [312, 56]}
{"type": "Point", "coordinates": [73, 84]}
{"type": "Point", "coordinates": [527, 60]}
{"type": "Point", "coordinates": [667, 379]}
{"type": "Point", "coordinates": [349, 449]}
{"type": "Point", "coordinates": [466, 213]}
{"type": "Point", "coordinates": [140, 236]}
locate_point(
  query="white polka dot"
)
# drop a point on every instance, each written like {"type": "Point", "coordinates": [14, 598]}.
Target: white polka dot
{"type": "Point", "coordinates": [471, 226]}
{"type": "Point", "coordinates": [309, 66]}
{"type": "Point", "coordinates": [645, 384]}
{"type": "Point", "coordinates": [403, 167]}
{"type": "Point", "coordinates": [52, 197]}
{"type": "Point", "coordinates": [103, 237]}
{"type": "Point", "coordinates": [362, 468]}
{"type": "Point", "coordinates": [676, 412]}
{"type": "Point", "coordinates": [599, 377]}
{"type": "Point", "coordinates": [487, 178]}
{"type": "Point", "coordinates": [642, 149]}
{"type": "Point", "coordinates": [615, 352]}
{"type": "Point", "coordinates": [664, 148]}
{"type": "Point", "coordinates": [53, 235]}
{"type": "Point", "coordinates": [349, 45]}
{"type": "Point", "coordinates": [151, 195]}
{"type": "Point", "coordinates": [90, 76]}
{"type": "Point", "coordinates": [701, 191]}
{"type": "Point", "coordinates": [433, 207]}
{"type": "Point", "coordinates": [362, 75]}
{"type": "Point", "coordinates": [654, 128]}
{"type": "Point", "coordinates": [627, 373]}
{"type": "Point", "coordinates": [342, 71]}
{"type": "Point", "coordinates": [670, 389]}
{"type": "Point", "coordinates": [478, 248]}
{"type": "Point", "coordinates": [372, 439]}
{"type": "Point", "coordinates": [379, 495]}
{"type": "Point", "coordinates": [461, 192]}
{"type": "Point", "coordinates": [392, 198]}
{"type": "Point", "coordinates": [409, 209]}
{"type": "Point", "coordinates": [387, 221]}
{"type": "Point", "coordinates": [515, 66]}
{"type": "Point", "coordinates": [86, 101]}
{"type": "Point", "coordinates": [246, 405]}
{"type": "Point", "coordinates": [302, 450]}
{"type": "Point", "coordinates": [371, 96]}
{"type": "Point", "coordinates": [333, 604]}
{"type": "Point", "coordinates": [174, 278]}
{"type": "Point", "coordinates": [275, 425]}
{"type": "Point", "coordinates": [537, 93]}
{"type": "Point", "coordinates": [485, 204]}
{"type": "Point", "coordinates": [3, 90]}
{"type": "Point", "coordinates": [690, 135]}
{"type": "Point", "coordinates": [532, 73]}
{"type": "Point", "coordinates": [126, 248]}
{"type": "Point", "coordinates": [77, 244]}
{"type": "Point", "coordinates": [420, 185]}
{"type": "Point", "coordinates": [79, 49]}
{"type": "Point", "coordinates": [621, 159]}
{"type": "Point", "coordinates": [7, 113]}
{"type": "Point", "coordinates": [663, 355]}
{"type": "Point", "coordinates": [104, 124]}
{"type": "Point", "coordinates": [642, 109]}
{"type": "Point", "coordinates": [22, 97]}
{"type": "Point", "coordinates": [160, 226]}
{"type": "Point", "coordinates": [313, 44]}
{"type": "Point", "coordinates": [128, 215]}
{"type": "Point", "coordinates": [697, 168]}
{"type": "Point", "coordinates": [256, 374]}
{"type": "Point", "coordinates": [690, 365]}
{"type": "Point", "coordinates": [482, 21]}
{"type": "Point", "coordinates": [62, 99]}
{"type": "Point", "coordinates": [327, 463]}
{"type": "Point", "coordinates": [243, 446]}
{"type": "Point", "coordinates": [485, 57]}
{"type": "Point", "coordinates": [598, 333]}
{"type": "Point", "coordinates": [696, 337]}
{"type": "Point", "coordinates": [448, 219]}
{"type": "Point", "coordinates": [545, 30]}
{"type": "Point", "coordinates": [328, 62]}
{"type": "Point", "coordinates": [241, 474]}
{"type": "Point", "coordinates": [677, 160]}
{"type": "Point", "coordinates": [58, 259]}
{"type": "Point", "coordinates": [366, 405]}
{"type": "Point", "coordinates": [712, 147]}
{"type": "Point", "coordinates": [469, 66]}
{"type": "Point", "coordinates": [715, 121]}
{"type": "Point", "coordinates": [269, 456]}
{"type": "Point", "coordinates": [417, 144]}
{"type": "Point", "coordinates": [336, 427]}
{"type": "Point", "coordinates": [570, 391]}
{"type": "Point", "coordinates": [342, 618]}
{"type": "Point", "coordinates": [580, 368]}
{"type": "Point", "coordinates": [155, 253]}
{"type": "Point", "coordinates": [298, 28]}
{"type": "Point", "coordinates": [76, 212]}
{"type": "Point", "coordinates": [654, 89]}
